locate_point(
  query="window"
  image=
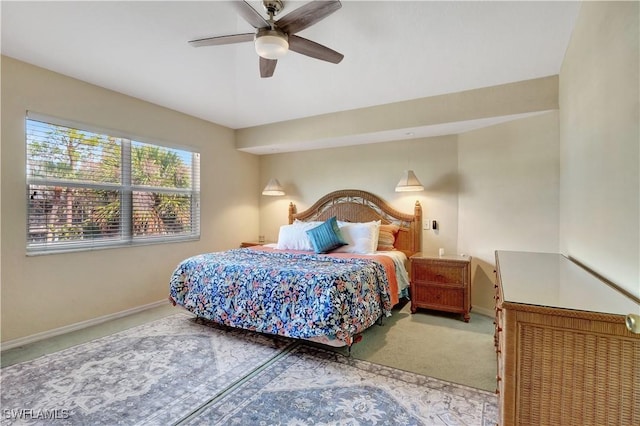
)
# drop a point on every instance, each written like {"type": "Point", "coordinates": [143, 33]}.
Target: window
{"type": "Point", "coordinates": [89, 189]}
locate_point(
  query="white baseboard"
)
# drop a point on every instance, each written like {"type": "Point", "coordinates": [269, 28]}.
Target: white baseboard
{"type": "Point", "coordinates": [484, 311]}
{"type": "Point", "coordinates": [10, 344]}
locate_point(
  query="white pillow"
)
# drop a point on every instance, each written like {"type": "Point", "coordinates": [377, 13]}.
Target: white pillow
{"type": "Point", "coordinates": [294, 236]}
{"type": "Point", "coordinates": [361, 238]}
{"type": "Point", "coordinates": [301, 222]}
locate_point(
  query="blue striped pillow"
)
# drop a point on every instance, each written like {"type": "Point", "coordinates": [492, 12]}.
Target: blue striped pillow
{"type": "Point", "coordinates": [326, 237]}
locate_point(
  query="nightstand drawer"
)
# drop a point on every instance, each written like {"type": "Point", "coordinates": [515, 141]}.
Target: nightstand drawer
{"type": "Point", "coordinates": [437, 297]}
{"type": "Point", "coordinates": [440, 273]}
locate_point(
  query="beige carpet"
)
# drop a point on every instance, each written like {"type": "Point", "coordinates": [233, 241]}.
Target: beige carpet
{"type": "Point", "coordinates": [152, 374]}
{"type": "Point", "coordinates": [179, 370]}
{"type": "Point", "coordinates": [436, 344]}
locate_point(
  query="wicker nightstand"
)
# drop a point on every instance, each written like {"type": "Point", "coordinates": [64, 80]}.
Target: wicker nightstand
{"type": "Point", "coordinates": [254, 243]}
{"type": "Point", "coordinates": [441, 283]}
{"type": "Point", "coordinates": [251, 244]}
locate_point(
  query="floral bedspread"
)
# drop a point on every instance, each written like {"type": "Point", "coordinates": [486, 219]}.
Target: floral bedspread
{"type": "Point", "coordinates": [290, 294]}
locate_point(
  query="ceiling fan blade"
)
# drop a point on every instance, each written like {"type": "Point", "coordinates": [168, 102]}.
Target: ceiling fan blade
{"type": "Point", "coordinates": [228, 39]}
{"type": "Point", "coordinates": [250, 14]}
{"type": "Point", "coordinates": [267, 67]}
{"type": "Point", "coordinates": [313, 49]}
{"type": "Point", "coordinates": [307, 15]}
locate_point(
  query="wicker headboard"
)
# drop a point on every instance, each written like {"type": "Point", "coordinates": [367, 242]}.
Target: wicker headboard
{"type": "Point", "coordinates": [352, 205]}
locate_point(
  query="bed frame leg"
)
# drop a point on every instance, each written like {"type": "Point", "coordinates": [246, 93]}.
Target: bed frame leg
{"type": "Point", "coordinates": [355, 339]}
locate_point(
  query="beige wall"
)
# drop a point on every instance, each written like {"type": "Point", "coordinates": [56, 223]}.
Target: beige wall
{"type": "Point", "coordinates": [566, 180]}
{"type": "Point", "coordinates": [376, 168]}
{"type": "Point", "coordinates": [508, 197]}
{"type": "Point", "coordinates": [494, 188]}
{"type": "Point", "coordinates": [46, 292]}
{"type": "Point", "coordinates": [561, 181]}
{"type": "Point", "coordinates": [600, 139]}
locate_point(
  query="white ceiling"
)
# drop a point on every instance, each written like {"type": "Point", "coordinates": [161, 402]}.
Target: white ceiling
{"type": "Point", "coordinates": [394, 51]}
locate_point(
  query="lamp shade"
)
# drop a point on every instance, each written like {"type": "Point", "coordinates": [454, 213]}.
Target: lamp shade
{"type": "Point", "coordinates": [409, 182]}
{"type": "Point", "coordinates": [273, 188]}
{"type": "Point", "coordinates": [271, 44]}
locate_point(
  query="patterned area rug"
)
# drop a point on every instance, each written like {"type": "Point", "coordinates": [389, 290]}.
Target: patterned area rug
{"type": "Point", "coordinates": [179, 371]}
{"type": "Point", "coordinates": [310, 386]}
{"type": "Point", "coordinates": [151, 374]}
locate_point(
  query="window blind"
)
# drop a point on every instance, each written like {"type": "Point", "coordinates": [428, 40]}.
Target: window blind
{"type": "Point", "coordinates": [89, 189]}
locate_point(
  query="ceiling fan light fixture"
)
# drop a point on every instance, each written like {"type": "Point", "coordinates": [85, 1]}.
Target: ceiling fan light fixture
{"type": "Point", "coordinates": [271, 44]}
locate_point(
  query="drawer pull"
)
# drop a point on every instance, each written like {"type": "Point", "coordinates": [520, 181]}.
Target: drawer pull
{"type": "Point", "coordinates": [632, 322]}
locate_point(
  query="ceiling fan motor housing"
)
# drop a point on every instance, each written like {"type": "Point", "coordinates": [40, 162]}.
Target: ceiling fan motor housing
{"type": "Point", "coordinates": [273, 7]}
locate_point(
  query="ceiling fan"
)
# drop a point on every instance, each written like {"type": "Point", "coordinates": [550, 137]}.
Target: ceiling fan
{"type": "Point", "coordinates": [274, 38]}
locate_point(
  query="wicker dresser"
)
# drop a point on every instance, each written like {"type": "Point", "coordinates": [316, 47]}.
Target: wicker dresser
{"type": "Point", "coordinates": [565, 356]}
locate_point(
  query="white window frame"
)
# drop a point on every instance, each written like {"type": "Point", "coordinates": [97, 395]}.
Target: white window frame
{"type": "Point", "coordinates": [126, 190]}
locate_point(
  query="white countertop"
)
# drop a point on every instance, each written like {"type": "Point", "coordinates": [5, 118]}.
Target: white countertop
{"type": "Point", "coordinates": [550, 279]}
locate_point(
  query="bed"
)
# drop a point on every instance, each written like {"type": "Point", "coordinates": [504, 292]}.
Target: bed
{"type": "Point", "coordinates": [293, 288]}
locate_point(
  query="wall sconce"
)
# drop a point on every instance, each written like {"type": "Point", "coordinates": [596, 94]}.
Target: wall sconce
{"type": "Point", "coordinates": [409, 182]}
{"type": "Point", "coordinates": [273, 188]}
